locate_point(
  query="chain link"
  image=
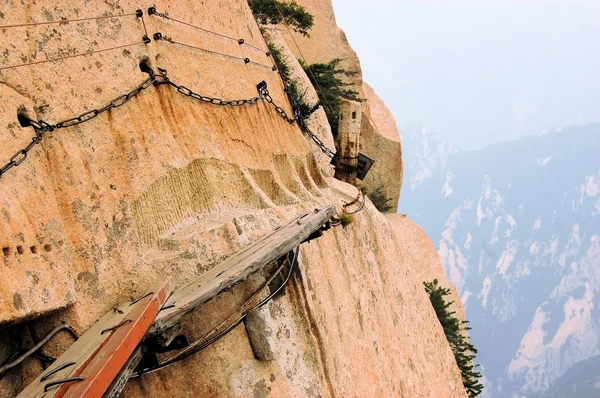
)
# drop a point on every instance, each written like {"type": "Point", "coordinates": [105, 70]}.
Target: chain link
{"type": "Point", "coordinates": [41, 127]}
{"type": "Point", "coordinates": [328, 152]}
{"type": "Point", "coordinates": [298, 117]}
{"type": "Point", "coordinates": [264, 93]}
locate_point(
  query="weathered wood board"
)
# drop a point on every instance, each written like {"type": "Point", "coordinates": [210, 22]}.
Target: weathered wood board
{"type": "Point", "coordinates": [239, 266]}
{"type": "Point", "coordinates": [97, 357]}
{"type": "Point", "coordinates": [233, 270]}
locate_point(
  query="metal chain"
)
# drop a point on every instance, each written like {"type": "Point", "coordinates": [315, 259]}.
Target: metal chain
{"type": "Point", "coordinates": [298, 117]}
{"type": "Point", "coordinates": [204, 98]}
{"type": "Point", "coordinates": [41, 127]}
{"type": "Point", "coordinates": [328, 152]}
{"type": "Point", "coordinates": [264, 92]}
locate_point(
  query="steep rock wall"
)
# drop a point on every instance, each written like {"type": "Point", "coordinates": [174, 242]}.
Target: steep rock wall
{"type": "Point", "coordinates": [165, 187]}
{"type": "Point", "coordinates": [380, 137]}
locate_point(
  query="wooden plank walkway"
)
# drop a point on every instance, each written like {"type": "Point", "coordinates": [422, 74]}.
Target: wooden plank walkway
{"type": "Point", "coordinates": [88, 367]}
{"type": "Point", "coordinates": [239, 266]}
{"type": "Point", "coordinates": [101, 361]}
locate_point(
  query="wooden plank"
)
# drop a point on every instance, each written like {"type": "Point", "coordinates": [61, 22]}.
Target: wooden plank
{"type": "Point", "coordinates": [118, 384]}
{"type": "Point", "coordinates": [238, 267]}
{"type": "Point", "coordinates": [105, 366]}
{"type": "Point", "coordinates": [79, 354]}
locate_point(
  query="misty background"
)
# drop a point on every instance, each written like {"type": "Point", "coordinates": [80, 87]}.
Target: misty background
{"type": "Point", "coordinates": [480, 72]}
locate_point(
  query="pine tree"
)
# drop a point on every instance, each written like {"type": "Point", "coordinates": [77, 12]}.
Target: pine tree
{"type": "Point", "coordinates": [381, 201]}
{"type": "Point", "coordinates": [455, 331]}
{"type": "Point", "coordinates": [273, 12]}
{"type": "Point", "coordinates": [331, 88]}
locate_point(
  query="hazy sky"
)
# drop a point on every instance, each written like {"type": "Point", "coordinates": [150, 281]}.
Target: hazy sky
{"type": "Point", "coordinates": [480, 71]}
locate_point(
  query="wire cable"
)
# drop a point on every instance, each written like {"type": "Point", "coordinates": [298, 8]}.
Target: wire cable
{"type": "Point", "coordinates": [144, 25]}
{"type": "Point", "coordinates": [160, 36]}
{"type": "Point", "coordinates": [364, 198]}
{"type": "Point", "coordinates": [303, 58]}
{"type": "Point", "coordinates": [239, 41]}
{"type": "Point", "coordinates": [71, 56]}
{"type": "Point", "coordinates": [197, 348]}
{"type": "Point", "coordinates": [67, 20]}
{"type": "Point", "coordinates": [36, 347]}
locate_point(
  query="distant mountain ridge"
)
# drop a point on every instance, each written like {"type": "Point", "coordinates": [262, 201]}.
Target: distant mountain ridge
{"type": "Point", "coordinates": [517, 227]}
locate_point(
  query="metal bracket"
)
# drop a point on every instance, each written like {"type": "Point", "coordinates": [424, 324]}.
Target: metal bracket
{"type": "Point", "coordinates": [63, 381]}
{"type": "Point", "coordinates": [123, 322]}
{"type": "Point", "coordinates": [57, 369]}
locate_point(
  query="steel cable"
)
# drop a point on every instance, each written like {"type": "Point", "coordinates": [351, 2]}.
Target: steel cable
{"type": "Point", "coordinates": [71, 56]}
{"type": "Point", "coordinates": [159, 36]}
{"type": "Point", "coordinates": [138, 14]}
{"type": "Point", "coordinates": [304, 59]}
{"type": "Point", "coordinates": [39, 345]}
{"type": "Point", "coordinates": [65, 21]}
{"type": "Point", "coordinates": [186, 352]}
{"type": "Point", "coordinates": [153, 11]}
{"type": "Point", "coordinates": [360, 207]}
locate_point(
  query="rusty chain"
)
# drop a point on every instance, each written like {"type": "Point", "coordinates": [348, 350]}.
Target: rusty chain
{"type": "Point", "coordinates": [41, 127]}
{"type": "Point", "coordinates": [298, 117]}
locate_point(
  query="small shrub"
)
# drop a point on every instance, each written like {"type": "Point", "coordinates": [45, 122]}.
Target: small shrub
{"type": "Point", "coordinates": [347, 219]}
{"type": "Point", "coordinates": [364, 189]}
{"type": "Point", "coordinates": [273, 12]}
{"type": "Point", "coordinates": [296, 92]}
{"type": "Point", "coordinates": [380, 201]}
{"type": "Point", "coordinates": [455, 331]}
{"type": "Point", "coordinates": [326, 78]}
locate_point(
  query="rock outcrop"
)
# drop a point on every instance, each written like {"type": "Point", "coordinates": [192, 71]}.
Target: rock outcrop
{"type": "Point", "coordinates": [380, 137]}
{"type": "Point", "coordinates": [166, 186]}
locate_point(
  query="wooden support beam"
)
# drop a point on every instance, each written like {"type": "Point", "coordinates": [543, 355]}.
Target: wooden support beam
{"type": "Point", "coordinates": [238, 267]}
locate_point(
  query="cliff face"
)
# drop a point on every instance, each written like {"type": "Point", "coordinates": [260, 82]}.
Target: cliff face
{"type": "Point", "coordinates": [166, 186]}
{"type": "Point", "coordinates": [380, 137]}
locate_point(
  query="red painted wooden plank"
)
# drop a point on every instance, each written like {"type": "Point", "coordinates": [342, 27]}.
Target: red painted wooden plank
{"type": "Point", "coordinates": [105, 365]}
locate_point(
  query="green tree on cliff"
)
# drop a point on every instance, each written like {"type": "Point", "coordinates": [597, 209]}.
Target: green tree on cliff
{"type": "Point", "coordinates": [273, 12]}
{"type": "Point", "coordinates": [326, 78]}
{"type": "Point", "coordinates": [455, 331]}
{"type": "Point", "coordinates": [381, 202]}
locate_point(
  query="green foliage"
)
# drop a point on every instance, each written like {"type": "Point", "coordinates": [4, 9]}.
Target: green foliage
{"type": "Point", "coordinates": [380, 201]}
{"type": "Point", "coordinates": [273, 12]}
{"type": "Point", "coordinates": [347, 219]}
{"type": "Point", "coordinates": [326, 78]}
{"type": "Point", "coordinates": [455, 331]}
{"type": "Point", "coordinates": [363, 188]}
{"type": "Point", "coordinates": [295, 91]}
